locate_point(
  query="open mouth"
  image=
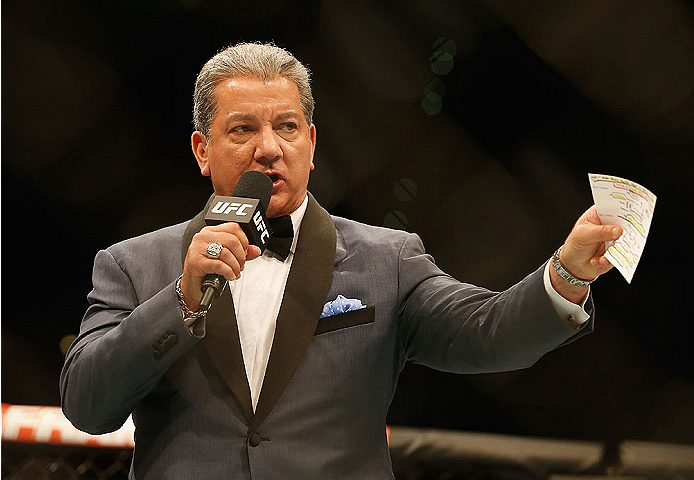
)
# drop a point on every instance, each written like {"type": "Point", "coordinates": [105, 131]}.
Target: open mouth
{"type": "Point", "coordinates": [276, 180]}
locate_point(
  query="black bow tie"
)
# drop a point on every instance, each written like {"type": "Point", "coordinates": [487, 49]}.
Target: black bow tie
{"type": "Point", "coordinates": [282, 236]}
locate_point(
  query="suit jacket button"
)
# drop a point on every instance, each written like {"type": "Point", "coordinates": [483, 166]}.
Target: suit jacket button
{"type": "Point", "coordinates": [254, 439]}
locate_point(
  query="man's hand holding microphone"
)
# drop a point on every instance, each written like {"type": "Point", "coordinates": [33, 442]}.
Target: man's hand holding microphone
{"type": "Point", "coordinates": [236, 232]}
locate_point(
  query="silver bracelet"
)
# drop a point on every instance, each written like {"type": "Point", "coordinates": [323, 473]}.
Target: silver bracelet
{"type": "Point", "coordinates": [189, 316]}
{"type": "Point", "coordinates": [563, 273]}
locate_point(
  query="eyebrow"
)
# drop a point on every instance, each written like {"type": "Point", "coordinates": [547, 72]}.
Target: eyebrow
{"type": "Point", "coordinates": [240, 117]}
{"type": "Point", "coordinates": [244, 117]}
{"type": "Point", "coordinates": [287, 115]}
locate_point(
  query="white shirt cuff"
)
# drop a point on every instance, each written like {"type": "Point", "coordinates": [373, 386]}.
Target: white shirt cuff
{"type": "Point", "coordinates": [573, 314]}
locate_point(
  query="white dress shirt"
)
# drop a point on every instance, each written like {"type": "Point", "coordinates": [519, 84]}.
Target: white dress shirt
{"type": "Point", "coordinates": [258, 295]}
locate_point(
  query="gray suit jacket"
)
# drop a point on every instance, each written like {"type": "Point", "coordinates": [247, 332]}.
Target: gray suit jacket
{"type": "Point", "coordinates": [329, 382]}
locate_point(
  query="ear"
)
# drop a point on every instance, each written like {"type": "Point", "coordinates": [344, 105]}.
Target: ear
{"type": "Point", "coordinates": [198, 143]}
{"type": "Point", "coordinates": [312, 135]}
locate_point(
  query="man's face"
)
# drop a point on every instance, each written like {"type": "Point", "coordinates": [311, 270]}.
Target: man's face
{"type": "Point", "coordinates": [259, 126]}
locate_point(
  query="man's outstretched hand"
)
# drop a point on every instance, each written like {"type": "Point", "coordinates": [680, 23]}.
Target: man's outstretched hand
{"type": "Point", "coordinates": [583, 254]}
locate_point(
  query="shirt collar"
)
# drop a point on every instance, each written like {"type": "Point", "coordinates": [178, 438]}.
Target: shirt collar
{"type": "Point", "coordinates": [297, 216]}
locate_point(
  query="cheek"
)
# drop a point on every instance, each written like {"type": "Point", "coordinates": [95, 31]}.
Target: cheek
{"type": "Point", "coordinates": [300, 174]}
{"type": "Point", "coordinates": [228, 162]}
{"type": "Point", "coordinates": [224, 176]}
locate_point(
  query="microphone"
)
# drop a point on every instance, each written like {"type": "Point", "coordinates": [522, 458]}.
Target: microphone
{"type": "Point", "coordinates": [247, 207]}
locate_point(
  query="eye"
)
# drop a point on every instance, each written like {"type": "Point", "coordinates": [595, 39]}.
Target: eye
{"type": "Point", "coordinates": [288, 126]}
{"type": "Point", "coordinates": [241, 129]}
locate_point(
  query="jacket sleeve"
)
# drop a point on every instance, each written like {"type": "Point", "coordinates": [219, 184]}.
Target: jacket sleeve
{"type": "Point", "coordinates": [459, 327]}
{"type": "Point", "coordinates": [124, 347]}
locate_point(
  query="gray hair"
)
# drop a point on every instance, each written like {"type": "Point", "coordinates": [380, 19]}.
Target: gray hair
{"type": "Point", "coordinates": [264, 61]}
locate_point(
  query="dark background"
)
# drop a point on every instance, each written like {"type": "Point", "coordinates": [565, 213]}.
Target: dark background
{"type": "Point", "coordinates": [491, 113]}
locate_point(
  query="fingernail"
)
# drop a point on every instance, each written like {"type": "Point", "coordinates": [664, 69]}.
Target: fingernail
{"type": "Point", "coordinates": [615, 230]}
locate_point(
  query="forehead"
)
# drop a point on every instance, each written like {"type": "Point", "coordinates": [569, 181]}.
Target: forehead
{"type": "Point", "coordinates": [253, 93]}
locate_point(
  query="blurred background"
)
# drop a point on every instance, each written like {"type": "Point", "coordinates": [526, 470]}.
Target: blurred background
{"type": "Point", "coordinates": [472, 123]}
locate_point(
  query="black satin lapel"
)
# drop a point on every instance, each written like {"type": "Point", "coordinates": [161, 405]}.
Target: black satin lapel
{"type": "Point", "coordinates": [304, 297]}
{"type": "Point", "coordinates": [223, 345]}
{"type": "Point", "coordinates": [222, 334]}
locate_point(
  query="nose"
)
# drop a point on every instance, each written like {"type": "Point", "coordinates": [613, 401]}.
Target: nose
{"type": "Point", "coordinates": [267, 149]}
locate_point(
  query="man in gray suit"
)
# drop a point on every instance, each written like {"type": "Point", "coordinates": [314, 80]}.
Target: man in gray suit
{"type": "Point", "coordinates": [290, 373]}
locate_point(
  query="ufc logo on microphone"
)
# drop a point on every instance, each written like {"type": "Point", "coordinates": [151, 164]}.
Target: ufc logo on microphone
{"type": "Point", "coordinates": [225, 208]}
{"type": "Point", "coordinates": [260, 226]}
{"type": "Point", "coordinates": [244, 211]}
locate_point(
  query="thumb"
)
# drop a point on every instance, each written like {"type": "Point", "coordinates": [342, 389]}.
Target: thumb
{"type": "Point", "coordinates": [589, 234]}
{"type": "Point", "coordinates": [610, 232]}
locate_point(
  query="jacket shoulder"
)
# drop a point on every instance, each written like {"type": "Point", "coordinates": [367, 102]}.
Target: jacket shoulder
{"type": "Point", "coordinates": [151, 246]}
{"type": "Point", "coordinates": [352, 234]}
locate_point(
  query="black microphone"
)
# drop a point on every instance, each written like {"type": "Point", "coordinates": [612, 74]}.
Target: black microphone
{"type": "Point", "coordinates": [247, 207]}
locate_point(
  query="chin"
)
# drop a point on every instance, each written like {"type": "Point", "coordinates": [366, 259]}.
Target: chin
{"type": "Point", "coordinates": [275, 210]}
{"type": "Point", "coordinates": [281, 205]}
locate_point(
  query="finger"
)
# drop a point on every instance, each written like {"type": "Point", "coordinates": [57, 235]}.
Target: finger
{"type": "Point", "coordinates": [198, 264]}
{"type": "Point", "coordinates": [231, 259]}
{"type": "Point", "coordinates": [591, 216]}
{"type": "Point", "coordinates": [232, 245]}
{"type": "Point", "coordinates": [591, 223]}
{"type": "Point", "coordinates": [602, 264]}
{"type": "Point", "coordinates": [229, 228]}
{"type": "Point", "coordinates": [588, 234]}
{"type": "Point", "coordinates": [234, 248]}
{"type": "Point", "coordinates": [232, 255]}
{"type": "Point", "coordinates": [229, 269]}
{"type": "Point", "coordinates": [195, 268]}
{"type": "Point", "coordinates": [252, 252]}
{"type": "Point", "coordinates": [601, 250]}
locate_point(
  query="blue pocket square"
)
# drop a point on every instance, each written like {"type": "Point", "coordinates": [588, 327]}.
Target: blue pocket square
{"type": "Point", "coordinates": [341, 305]}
